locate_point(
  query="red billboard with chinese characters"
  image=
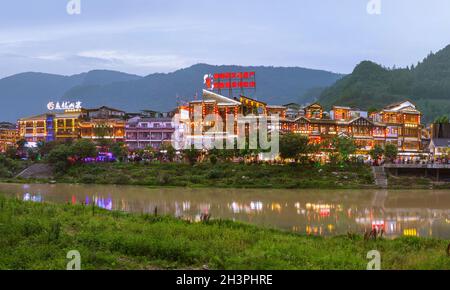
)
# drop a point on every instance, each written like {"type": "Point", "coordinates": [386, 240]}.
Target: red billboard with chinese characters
{"type": "Point", "coordinates": [230, 81]}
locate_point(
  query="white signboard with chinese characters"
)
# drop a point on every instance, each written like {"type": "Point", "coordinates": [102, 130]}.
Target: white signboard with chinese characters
{"type": "Point", "coordinates": [51, 106]}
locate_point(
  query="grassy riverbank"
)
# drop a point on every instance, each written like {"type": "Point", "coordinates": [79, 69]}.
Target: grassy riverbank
{"type": "Point", "coordinates": [38, 236]}
{"type": "Point", "coordinates": [226, 175]}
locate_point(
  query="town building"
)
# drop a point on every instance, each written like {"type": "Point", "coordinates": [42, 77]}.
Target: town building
{"type": "Point", "coordinates": [440, 147]}
{"type": "Point", "coordinates": [143, 132]}
{"type": "Point", "coordinates": [51, 126]}
{"type": "Point", "coordinates": [403, 126]}
{"type": "Point", "coordinates": [398, 124]}
{"type": "Point", "coordinates": [440, 140]}
{"type": "Point", "coordinates": [101, 123]}
{"type": "Point", "coordinates": [8, 136]}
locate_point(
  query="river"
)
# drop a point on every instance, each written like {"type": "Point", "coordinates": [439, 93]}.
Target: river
{"type": "Point", "coordinates": [423, 213]}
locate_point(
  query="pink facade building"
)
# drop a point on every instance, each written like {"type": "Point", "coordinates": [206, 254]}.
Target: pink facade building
{"type": "Point", "coordinates": [142, 132]}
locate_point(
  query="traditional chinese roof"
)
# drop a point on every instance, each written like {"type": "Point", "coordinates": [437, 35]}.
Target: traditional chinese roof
{"type": "Point", "coordinates": [275, 107]}
{"type": "Point", "coordinates": [208, 95]}
{"type": "Point", "coordinates": [399, 106]}
{"type": "Point", "coordinates": [7, 125]}
{"type": "Point", "coordinates": [313, 105]}
{"type": "Point", "coordinates": [105, 107]}
{"type": "Point", "coordinates": [35, 118]}
{"type": "Point", "coordinates": [342, 107]}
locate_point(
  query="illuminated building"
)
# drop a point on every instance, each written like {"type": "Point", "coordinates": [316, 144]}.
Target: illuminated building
{"type": "Point", "coordinates": [142, 132]}
{"type": "Point", "coordinates": [403, 126]}
{"type": "Point", "coordinates": [103, 123]}
{"type": "Point", "coordinates": [397, 124]}
{"type": "Point", "coordinates": [439, 145]}
{"type": "Point", "coordinates": [213, 104]}
{"type": "Point", "coordinates": [93, 124]}
{"type": "Point", "coordinates": [51, 126]}
{"type": "Point", "coordinates": [105, 113]}
{"type": "Point", "coordinates": [95, 129]}
{"type": "Point", "coordinates": [8, 136]}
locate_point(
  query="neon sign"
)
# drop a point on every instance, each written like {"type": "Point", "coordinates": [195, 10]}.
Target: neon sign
{"type": "Point", "coordinates": [51, 106]}
{"type": "Point", "coordinates": [230, 80]}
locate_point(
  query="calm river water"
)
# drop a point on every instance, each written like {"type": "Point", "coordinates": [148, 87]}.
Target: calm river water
{"type": "Point", "coordinates": [422, 213]}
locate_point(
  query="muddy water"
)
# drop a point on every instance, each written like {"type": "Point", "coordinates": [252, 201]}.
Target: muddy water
{"type": "Point", "coordinates": [422, 213]}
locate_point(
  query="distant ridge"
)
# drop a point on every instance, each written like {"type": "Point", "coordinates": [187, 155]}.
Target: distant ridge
{"type": "Point", "coordinates": [370, 85]}
{"type": "Point", "coordinates": [28, 93]}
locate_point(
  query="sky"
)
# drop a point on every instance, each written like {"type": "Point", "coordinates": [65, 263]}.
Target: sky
{"type": "Point", "coordinates": [148, 36]}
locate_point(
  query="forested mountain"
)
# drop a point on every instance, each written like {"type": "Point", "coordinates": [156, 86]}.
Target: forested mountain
{"type": "Point", "coordinates": [372, 86]}
{"type": "Point", "coordinates": [28, 93]}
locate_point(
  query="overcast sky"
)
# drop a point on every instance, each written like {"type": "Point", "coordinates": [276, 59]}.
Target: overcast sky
{"type": "Point", "coordinates": [146, 36]}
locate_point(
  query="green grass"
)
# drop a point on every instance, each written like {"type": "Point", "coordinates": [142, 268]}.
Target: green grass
{"type": "Point", "coordinates": [402, 182]}
{"type": "Point", "coordinates": [38, 236]}
{"type": "Point", "coordinates": [225, 175]}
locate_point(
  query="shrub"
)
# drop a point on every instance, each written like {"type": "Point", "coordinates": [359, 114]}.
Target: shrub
{"type": "Point", "coordinates": [122, 179]}
{"type": "Point", "coordinates": [215, 174]}
{"type": "Point", "coordinates": [4, 172]}
{"type": "Point", "coordinates": [88, 178]}
{"type": "Point", "coordinates": [163, 178]}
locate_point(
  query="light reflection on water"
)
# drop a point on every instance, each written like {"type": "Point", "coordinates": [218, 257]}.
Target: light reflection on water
{"type": "Point", "coordinates": [314, 212]}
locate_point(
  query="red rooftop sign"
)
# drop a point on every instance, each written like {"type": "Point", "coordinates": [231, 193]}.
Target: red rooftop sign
{"type": "Point", "coordinates": [230, 80]}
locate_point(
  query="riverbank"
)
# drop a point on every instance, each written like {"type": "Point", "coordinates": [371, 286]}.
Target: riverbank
{"type": "Point", "coordinates": [38, 236]}
{"type": "Point", "coordinates": [221, 175]}
{"type": "Point", "coordinates": [224, 175]}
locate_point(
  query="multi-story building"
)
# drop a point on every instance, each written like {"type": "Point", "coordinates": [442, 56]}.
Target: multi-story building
{"type": "Point", "coordinates": [8, 136]}
{"type": "Point", "coordinates": [92, 124]}
{"type": "Point", "coordinates": [105, 113]}
{"type": "Point", "coordinates": [142, 132]}
{"type": "Point", "coordinates": [51, 127]}
{"type": "Point", "coordinates": [103, 123]}
{"type": "Point", "coordinates": [397, 124]}
{"type": "Point", "coordinates": [217, 106]}
{"type": "Point", "coordinates": [403, 126]}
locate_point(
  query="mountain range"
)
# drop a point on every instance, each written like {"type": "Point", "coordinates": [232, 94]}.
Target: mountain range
{"type": "Point", "coordinates": [28, 93]}
{"type": "Point", "coordinates": [371, 85]}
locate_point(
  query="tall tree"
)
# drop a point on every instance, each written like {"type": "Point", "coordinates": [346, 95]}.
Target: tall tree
{"type": "Point", "coordinates": [344, 146]}
{"type": "Point", "coordinates": [293, 145]}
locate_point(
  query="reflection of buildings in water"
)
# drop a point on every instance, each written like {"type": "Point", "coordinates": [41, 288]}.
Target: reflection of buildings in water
{"type": "Point", "coordinates": [204, 208]}
{"type": "Point", "coordinates": [105, 203]}
{"type": "Point", "coordinates": [252, 207]}
{"type": "Point", "coordinates": [406, 222]}
{"type": "Point", "coordinates": [32, 197]}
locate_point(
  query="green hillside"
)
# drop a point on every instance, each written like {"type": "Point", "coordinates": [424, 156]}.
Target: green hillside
{"type": "Point", "coordinates": [371, 85]}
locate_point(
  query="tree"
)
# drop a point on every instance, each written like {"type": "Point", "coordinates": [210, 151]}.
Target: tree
{"type": "Point", "coordinates": [170, 151]}
{"type": "Point", "coordinates": [191, 155]}
{"type": "Point", "coordinates": [11, 152]}
{"type": "Point", "coordinates": [119, 150]}
{"type": "Point", "coordinates": [390, 152]}
{"type": "Point", "coordinates": [442, 120]}
{"type": "Point", "coordinates": [344, 146]}
{"type": "Point", "coordinates": [83, 148]}
{"type": "Point", "coordinates": [292, 145]}
{"type": "Point", "coordinates": [104, 144]}
{"type": "Point", "coordinates": [45, 147]}
{"type": "Point", "coordinates": [377, 152]}
{"type": "Point", "coordinates": [59, 157]}
{"type": "Point", "coordinates": [21, 144]}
